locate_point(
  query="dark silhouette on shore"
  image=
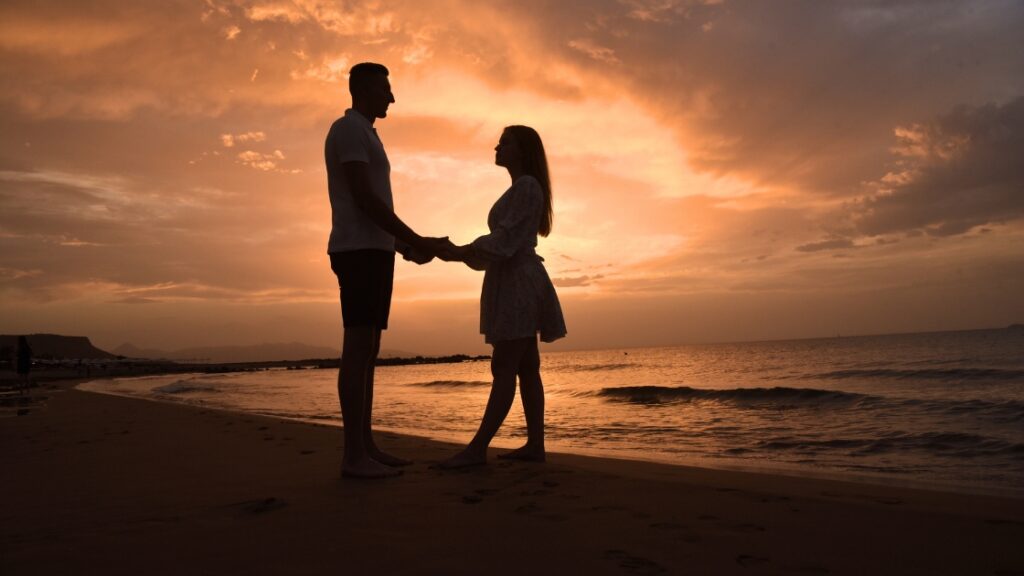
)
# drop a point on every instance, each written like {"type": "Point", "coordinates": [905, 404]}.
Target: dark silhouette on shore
{"type": "Point", "coordinates": [365, 234]}
{"type": "Point", "coordinates": [518, 300]}
{"type": "Point", "coordinates": [24, 364]}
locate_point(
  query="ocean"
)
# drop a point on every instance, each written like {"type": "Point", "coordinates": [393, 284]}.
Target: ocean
{"type": "Point", "coordinates": [939, 410]}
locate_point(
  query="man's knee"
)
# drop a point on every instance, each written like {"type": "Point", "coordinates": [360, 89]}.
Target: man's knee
{"type": "Point", "coordinates": [360, 342]}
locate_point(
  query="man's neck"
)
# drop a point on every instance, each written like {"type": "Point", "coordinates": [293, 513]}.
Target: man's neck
{"type": "Point", "coordinates": [369, 117]}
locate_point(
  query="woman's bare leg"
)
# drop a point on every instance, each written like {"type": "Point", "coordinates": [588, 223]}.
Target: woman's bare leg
{"type": "Point", "coordinates": [504, 365]}
{"type": "Point", "coordinates": [531, 389]}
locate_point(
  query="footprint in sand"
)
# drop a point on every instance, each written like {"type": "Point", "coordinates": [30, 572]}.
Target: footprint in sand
{"type": "Point", "coordinates": [528, 509]}
{"type": "Point", "coordinates": [875, 499]}
{"type": "Point", "coordinates": [747, 528]}
{"type": "Point", "coordinates": [634, 564]}
{"type": "Point", "coordinates": [1002, 522]}
{"type": "Point", "coordinates": [534, 511]}
{"type": "Point", "coordinates": [259, 506]}
{"type": "Point", "coordinates": [807, 569]}
{"type": "Point", "coordinates": [689, 538]}
{"type": "Point", "coordinates": [746, 560]}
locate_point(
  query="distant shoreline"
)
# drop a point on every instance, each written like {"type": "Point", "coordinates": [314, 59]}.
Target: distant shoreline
{"type": "Point", "coordinates": [51, 370]}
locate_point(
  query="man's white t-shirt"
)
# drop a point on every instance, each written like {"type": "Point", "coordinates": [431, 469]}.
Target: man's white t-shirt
{"type": "Point", "coordinates": [353, 139]}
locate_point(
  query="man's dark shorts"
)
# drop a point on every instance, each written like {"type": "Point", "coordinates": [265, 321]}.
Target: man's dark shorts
{"type": "Point", "coordinates": [365, 278]}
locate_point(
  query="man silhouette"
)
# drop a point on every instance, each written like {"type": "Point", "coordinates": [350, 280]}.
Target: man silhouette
{"type": "Point", "coordinates": [365, 232]}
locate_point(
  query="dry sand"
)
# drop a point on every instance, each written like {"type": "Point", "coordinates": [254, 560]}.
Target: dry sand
{"type": "Point", "coordinates": [96, 484]}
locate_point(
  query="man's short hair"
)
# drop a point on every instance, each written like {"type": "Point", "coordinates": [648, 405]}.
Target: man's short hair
{"type": "Point", "coordinates": [361, 73]}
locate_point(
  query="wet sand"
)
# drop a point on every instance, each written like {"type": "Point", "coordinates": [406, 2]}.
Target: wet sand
{"type": "Point", "coordinates": [96, 484]}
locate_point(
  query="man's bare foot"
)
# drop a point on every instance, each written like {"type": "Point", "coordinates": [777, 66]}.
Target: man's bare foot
{"type": "Point", "coordinates": [525, 453]}
{"type": "Point", "coordinates": [368, 469]}
{"type": "Point", "coordinates": [387, 459]}
{"type": "Point", "coordinates": [464, 459]}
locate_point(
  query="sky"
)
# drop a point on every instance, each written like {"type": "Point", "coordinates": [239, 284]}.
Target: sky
{"type": "Point", "coordinates": [721, 170]}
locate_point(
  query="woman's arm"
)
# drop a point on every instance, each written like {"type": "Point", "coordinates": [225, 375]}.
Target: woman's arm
{"type": "Point", "coordinates": [517, 224]}
{"type": "Point", "coordinates": [468, 256]}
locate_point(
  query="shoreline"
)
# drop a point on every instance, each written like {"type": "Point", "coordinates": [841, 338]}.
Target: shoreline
{"type": "Point", "coordinates": [124, 485]}
{"type": "Point", "coordinates": [793, 471]}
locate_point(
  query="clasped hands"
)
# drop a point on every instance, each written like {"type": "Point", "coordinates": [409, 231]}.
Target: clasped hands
{"type": "Point", "coordinates": [441, 247]}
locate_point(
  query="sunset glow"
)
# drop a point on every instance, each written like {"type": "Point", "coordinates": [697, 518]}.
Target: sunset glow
{"type": "Point", "coordinates": [721, 170]}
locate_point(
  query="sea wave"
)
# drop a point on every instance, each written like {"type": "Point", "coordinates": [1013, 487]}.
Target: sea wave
{"type": "Point", "coordinates": [779, 396]}
{"type": "Point", "coordinates": [451, 384]}
{"type": "Point", "coordinates": [600, 367]}
{"type": "Point", "coordinates": [955, 444]}
{"type": "Point", "coordinates": [1005, 410]}
{"type": "Point", "coordinates": [182, 387]}
{"type": "Point", "coordinates": [946, 374]}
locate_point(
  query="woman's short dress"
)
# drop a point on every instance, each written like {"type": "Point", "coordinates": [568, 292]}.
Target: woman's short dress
{"type": "Point", "coordinates": [518, 299]}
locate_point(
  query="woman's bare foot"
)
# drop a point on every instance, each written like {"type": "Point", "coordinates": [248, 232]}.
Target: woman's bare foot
{"type": "Point", "coordinates": [369, 469]}
{"type": "Point", "coordinates": [525, 453]}
{"type": "Point", "coordinates": [464, 459]}
{"type": "Point", "coordinates": [388, 459]}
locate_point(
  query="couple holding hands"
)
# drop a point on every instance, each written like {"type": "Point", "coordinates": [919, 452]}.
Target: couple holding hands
{"type": "Point", "coordinates": [517, 303]}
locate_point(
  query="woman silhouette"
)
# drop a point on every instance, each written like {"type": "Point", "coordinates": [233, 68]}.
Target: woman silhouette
{"type": "Point", "coordinates": [518, 300]}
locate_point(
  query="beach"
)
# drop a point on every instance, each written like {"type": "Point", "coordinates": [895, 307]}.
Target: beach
{"type": "Point", "coordinates": [103, 484]}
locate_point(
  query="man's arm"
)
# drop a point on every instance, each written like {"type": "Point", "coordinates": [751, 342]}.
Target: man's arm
{"type": "Point", "coordinates": [358, 176]}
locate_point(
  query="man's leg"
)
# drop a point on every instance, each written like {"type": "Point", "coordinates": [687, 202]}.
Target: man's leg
{"type": "Point", "coordinates": [368, 441]}
{"type": "Point", "coordinates": [357, 356]}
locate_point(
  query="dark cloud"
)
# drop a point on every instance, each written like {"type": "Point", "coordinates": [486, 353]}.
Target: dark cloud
{"type": "Point", "coordinates": [961, 170]}
{"type": "Point", "coordinates": [800, 93]}
{"type": "Point", "coordinates": [834, 244]}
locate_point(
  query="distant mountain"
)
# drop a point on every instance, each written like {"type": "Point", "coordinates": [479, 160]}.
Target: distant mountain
{"type": "Point", "coordinates": [251, 353]}
{"type": "Point", "coordinates": [132, 351]}
{"type": "Point", "coordinates": [55, 346]}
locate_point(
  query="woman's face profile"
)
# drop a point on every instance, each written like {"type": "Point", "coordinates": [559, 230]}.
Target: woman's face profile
{"type": "Point", "coordinates": [507, 151]}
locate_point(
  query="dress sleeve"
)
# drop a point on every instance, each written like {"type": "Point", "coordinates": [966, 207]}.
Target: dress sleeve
{"type": "Point", "coordinates": [517, 224]}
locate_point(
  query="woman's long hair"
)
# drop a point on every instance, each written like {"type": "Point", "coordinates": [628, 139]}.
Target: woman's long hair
{"type": "Point", "coordinates": [535, 163]}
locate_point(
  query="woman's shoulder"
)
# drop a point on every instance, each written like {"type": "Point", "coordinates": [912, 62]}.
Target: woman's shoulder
{"type": "Point", "coordinates": [527, 180]}
{"type": "Point", "coordinates": [527, 184]}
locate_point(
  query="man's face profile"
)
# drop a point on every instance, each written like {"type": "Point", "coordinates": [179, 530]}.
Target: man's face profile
{"type": "Point", "coordinates": [378, 95]}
